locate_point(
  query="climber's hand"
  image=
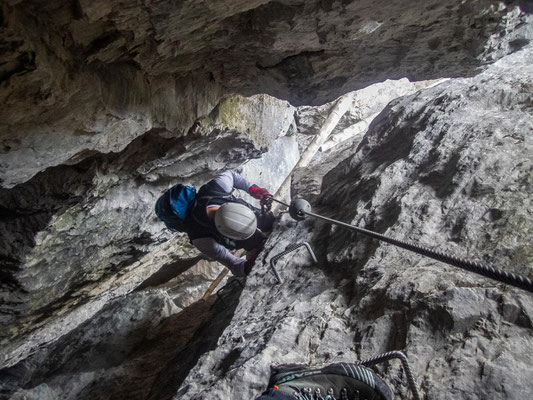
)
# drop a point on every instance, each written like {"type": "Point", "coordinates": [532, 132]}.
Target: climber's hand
{"type": "Point", "coordinates": [258, 193]}
{"type": "Point", "coordinates": [266, 202]}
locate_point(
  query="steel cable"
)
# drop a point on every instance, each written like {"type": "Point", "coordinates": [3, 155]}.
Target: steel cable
{"type": "Point", "coordinates": [389, 356]}
{"type": "Point", "coordinates": [509, 278]}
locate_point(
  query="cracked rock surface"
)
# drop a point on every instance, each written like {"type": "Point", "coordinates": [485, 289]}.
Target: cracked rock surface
{"type": "Point", "coordinates": [91, 76]}
{"type": "Point", "coordinates": [106, 104]}
{"type": "Point", "coordinates": [77, 233]}
{"type": "Point", "coordinates": [449, 167]}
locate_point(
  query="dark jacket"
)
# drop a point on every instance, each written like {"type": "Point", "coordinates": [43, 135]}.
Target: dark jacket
{"type": "Point", "coordinates": [200, 225]}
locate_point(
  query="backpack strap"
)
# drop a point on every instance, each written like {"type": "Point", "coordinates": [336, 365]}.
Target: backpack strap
{"type": "Point", "coordinates": [212, 195]}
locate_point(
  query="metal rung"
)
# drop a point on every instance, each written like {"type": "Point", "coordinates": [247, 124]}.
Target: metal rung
{"type": "Point", "coordinates": [405, 364]}
{"type": "Point", "coordinates": [289, 249]}
{"type": "Point", "coordinates": [231, 282]}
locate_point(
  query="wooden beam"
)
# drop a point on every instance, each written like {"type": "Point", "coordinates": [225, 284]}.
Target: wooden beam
{"type": "Point", "coordinates": [338, 110]}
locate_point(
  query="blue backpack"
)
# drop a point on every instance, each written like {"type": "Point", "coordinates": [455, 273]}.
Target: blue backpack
{"type": "Point", "coordinates": [173, 207]}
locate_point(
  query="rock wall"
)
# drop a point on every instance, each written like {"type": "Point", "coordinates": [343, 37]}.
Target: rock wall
{"type": "Point", "coordinates": [135, 347]}
{"type": "Point", "coordinates": [449, 167]}
{"type": "Point", "coordinates": [81, 233]}
{"type": "Point", "coordinates": [107, 104]}
{"type": "Point", "coordinates": [94, 75]}
{"type": "Point", "coordinates": [433, 168]}
{"type": "Point", "coordinates": [437, 167]}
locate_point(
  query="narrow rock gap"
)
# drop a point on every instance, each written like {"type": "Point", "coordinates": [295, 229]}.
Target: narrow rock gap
{"type": "Point", "coordinates": [106, 106]}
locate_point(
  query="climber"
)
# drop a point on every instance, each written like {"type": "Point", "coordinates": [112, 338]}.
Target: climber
{"type": "Point", "coordinates": [218, 222]}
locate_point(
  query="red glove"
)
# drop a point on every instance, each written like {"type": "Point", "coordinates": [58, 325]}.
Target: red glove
{"type": "Point", "coordinates": [258, 193]}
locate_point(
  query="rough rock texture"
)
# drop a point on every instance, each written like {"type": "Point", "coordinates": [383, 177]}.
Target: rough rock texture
{"type": "Point", "coordinates": [73, 232]}
{"type": "Point", "coordinates": [136, 347]}
{"type": "Point", "coordinates": [270, 170]}
{"type": "Point", "coordinates": [367, 104]}
{"type": "Point", "coordinates": [349, 132]}
{"type": "Point", "coordinates": [89, 76]}
{"type": "Point", "coordinates": [106, 104]}
{"type": "Point", "coordinates": [450, 167]}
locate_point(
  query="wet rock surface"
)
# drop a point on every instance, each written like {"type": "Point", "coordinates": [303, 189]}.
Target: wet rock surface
{"type": "Point", "coordinates": [449, 167]}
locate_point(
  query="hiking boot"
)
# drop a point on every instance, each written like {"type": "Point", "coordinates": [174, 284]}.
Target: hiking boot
{"type": "Point", "coordinates": [339, 381]}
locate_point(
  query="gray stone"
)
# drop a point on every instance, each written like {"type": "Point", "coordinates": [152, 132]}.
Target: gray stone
{"type": "Point", "coordinates": [429, 170]}
{"type": "Point", "coordinates": [270, 170]}
{"type": "Point", "coordinates": [114, 346]}
{"type": "Point", "coordinates": [94, 221]}
{"type": "Point", "coordinates": [95, 76]}
{"type": "Point", "coordinates": [107, 104]}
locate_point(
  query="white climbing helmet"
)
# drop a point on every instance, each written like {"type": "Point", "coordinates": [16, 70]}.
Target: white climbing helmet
{"type": "Point", "coordinates": [235, 221]}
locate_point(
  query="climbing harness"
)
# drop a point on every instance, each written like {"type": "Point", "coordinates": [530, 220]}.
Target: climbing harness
{"type": "Point", "coordinates": [301, 208]}
{"type": "Point", "coordinates": [290, 248]}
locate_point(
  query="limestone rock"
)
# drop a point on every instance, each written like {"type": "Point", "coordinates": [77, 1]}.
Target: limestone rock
{"type": "Point", "coordinates": [106, 104]}
{"type": "Point", "coordinates": [75, 232]}
{"type": "Point", "coordinates": [449, 167]}
{"type": "Point", "coordinates": [95, 75]}
{"type": "Point", "coordinates": [367, 104]}
{"type": "Point", "coordinates": [262, 118]}
{"type": "Point", "coordinates": [270, 170]}
{"type": "Point", "coordinates": [129, 335]}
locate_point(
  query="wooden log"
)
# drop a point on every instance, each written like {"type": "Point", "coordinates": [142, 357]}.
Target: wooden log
{"type": "Point", "coordinates": [336, 113]}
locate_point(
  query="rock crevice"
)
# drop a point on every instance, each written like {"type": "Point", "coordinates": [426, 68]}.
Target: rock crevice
{"type": "Point", "coordinates": [106, 104]}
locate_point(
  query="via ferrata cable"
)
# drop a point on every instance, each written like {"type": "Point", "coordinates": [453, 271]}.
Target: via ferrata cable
{"type": "Point", "coordinates": [509, 278]}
